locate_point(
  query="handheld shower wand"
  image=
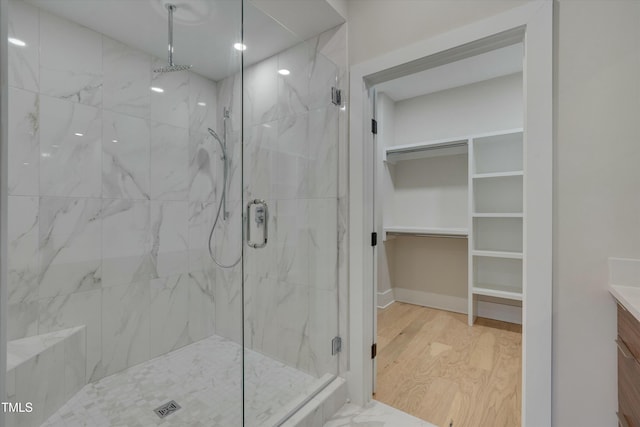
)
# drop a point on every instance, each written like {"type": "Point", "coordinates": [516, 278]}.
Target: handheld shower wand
{"type": "Point", "coordinates": [225, 171]}
{"type": "Point", "coordinates": [222, 204]}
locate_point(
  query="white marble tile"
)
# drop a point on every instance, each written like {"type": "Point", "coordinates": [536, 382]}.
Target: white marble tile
{"type": "Point", "coordinates": [169, 162]}
{"type": "Point", "coordinates": [374, 414]}
{"type": "Point", "coordinates": [293, 239]}
{"type": "Point", "coordinates": [22, 320]}
{"type": "Point", "coordinates": [323, 142]}
{"type": "Point", "coordinates": [290, 159]}
{"type": "Point", "coordinates": [70, 245]}
{"type": "Point", "coordinates": [201, 304]}
{"type": "Point", "coordinates": [127, 79]}
{"type": "Point", "coordinates": [228, 310]}
{"type": "Point", "coordinates": [24, 142]}
{"type": "Point", "coordinates": [230, 96]}
{"type": "Point", "coordinates": [235, 172]}
{"type": "Point", "coordinates": [201, 218]}
{"type": "Point", "coordinates": [203, 104]}
{"type": "Point", "coordinates": [205, 378]}
{"type": "Point", "coordinates": [168, 239]}
{"type": "Point", "coordinates": [333, 45]}
{"type": "Point", "coordinates": [80, 308]}
{"type": "Point", "coordinates": [172, 105]}
{"type": "Point", "coordinates": [261, 314]}
{"type": "Point", "coordinates": [323, 327]}
{"type": "Point", "coordinates": [260, 92]}
{"type": "Point", "coordinates": [323, 243]}
{"type": "Point", "coordinates": [75, 362]}
{"type": "Point", "coordinates": [39, 380]}
{"type": "Point", "coordinates": [226, 240]}
{"type": "Point", "coordinates": [125, 327]}
{"type": "Point", "coordinates": [10, 384]}
{"type": "Point", "coordinates": [22, 250]}
{"type": "Point", "coordinates": [24, 61]}
{"type": "Point", "coordinates": [70, 60]}
{"type": "Point", "coordinates": [258, 163]}
{"type": "Point", "coordinates": [205, 167]}
{"type": "Point", "coordinates": [125, 242]}
{"type": "Point", "coordinates": [308, 86]}
{"type": "Point", "coordinates": [343, 280]}
{"type": "Point", "coordinates": [125, 156]}
{"type": "Point", "coordinates": [169, 314]}
{"type": "Point", "coordinates": [70, 149]}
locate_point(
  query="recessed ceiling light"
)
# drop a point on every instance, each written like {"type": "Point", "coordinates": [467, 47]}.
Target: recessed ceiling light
{"type": "Point", "coordinates": [284, 72]}
{"type": "Point", "coordinates": [114, 140]}
{"type": "Point", "coordinates": [157, 89]}
{"type": "Point", "coordinates": [202, 104]}
{"type": "Point", "coordinates": [240, 46]}
{"type": "Point", "coordinates": [46, 154]}
{"type": "Point", "coordinates": [79, 134]}
{"type": "Point", "coordinates": [16, 42]}
{"type": "Point", "coordinates": [26, 163]}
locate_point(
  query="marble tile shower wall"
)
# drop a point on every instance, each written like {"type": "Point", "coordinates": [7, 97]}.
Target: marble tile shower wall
{"type": "Point", "coordinates": [291, 160]}
{"type": "Point", "coordinates": [108, 182]}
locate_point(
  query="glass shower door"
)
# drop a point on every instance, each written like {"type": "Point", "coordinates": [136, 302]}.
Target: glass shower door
{"type": "Point", "coordinates": [290, 199]}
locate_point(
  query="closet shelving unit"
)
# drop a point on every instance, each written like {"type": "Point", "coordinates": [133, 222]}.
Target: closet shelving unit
{"type": "Point", "coordinates": [423, 150]}
{"type": "Point", "coordinates": [495, 210]}
{"type": "Point", "coordinates": [496, 217]}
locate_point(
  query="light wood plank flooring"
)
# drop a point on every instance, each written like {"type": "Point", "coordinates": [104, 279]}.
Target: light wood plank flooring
{"type": "Point", "coordinates": [435, 367]}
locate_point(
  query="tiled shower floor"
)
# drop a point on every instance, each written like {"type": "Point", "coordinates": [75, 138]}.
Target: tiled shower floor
{"type": "Point", "coordinates": [204, 378]}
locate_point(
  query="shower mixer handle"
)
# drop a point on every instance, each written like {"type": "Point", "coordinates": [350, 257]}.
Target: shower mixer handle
{"type": "Point", "coordinates": [258, 210]}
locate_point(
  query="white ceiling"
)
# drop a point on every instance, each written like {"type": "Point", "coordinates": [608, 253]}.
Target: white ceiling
{"type": "Point", "coordinates": [204, 30]}
{"type": "Point", "coordinates": [496, 63]}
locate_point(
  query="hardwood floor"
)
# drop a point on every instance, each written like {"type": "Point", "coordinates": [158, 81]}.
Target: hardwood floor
{"type": "Point", "coordinates": [432, 365]}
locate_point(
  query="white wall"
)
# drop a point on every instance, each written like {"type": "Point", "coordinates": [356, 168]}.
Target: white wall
{"type": "Point", "coordinates": [379, 26]}
{"type": "Point", "coordinates": [433, 192]}
{"type": "Point", "coordinates": [597, 208]}
{"type": "Point", "coordinates": [485, 106]}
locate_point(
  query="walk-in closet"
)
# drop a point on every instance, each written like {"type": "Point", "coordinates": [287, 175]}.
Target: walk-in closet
{"type": "Point", "coordinates": [449, 208]}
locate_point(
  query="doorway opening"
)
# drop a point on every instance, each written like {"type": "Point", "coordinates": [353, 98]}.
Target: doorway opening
{"type": "Point", "coordinates": [448, 197]}
{"type": "Point", "coordinates": [508, 250]}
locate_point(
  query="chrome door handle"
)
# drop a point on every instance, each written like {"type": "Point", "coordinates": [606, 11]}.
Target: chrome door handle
{"type": "Point", "coordinates": [258, 219]}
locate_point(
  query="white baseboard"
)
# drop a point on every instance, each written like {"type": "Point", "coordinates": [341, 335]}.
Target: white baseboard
{"type": "Point", "coordinates": [385, 299]}
{"type": "Point", "coordinates": [490, 310]}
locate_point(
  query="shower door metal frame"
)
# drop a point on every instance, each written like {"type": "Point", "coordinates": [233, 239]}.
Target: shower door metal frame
{"type": "Point", "coordinates": [533, 24]}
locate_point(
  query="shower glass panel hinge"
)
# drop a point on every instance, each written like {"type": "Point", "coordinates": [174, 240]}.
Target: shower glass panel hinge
{"type": "Point", "coordinates": [336, 96]}
{"type": "Point", "coordinates": [336, 345]}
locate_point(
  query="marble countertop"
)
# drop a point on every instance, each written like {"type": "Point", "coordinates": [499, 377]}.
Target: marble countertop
{"type": "Point", "coordinates": [629, 297]}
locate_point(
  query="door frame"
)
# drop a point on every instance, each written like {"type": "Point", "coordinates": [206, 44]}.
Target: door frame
{"type": "Point", "coordinates": [534, 24]}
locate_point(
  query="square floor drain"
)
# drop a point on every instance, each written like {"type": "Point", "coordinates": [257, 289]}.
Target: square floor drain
{"type": "Point", "coordinates": [167, 409]}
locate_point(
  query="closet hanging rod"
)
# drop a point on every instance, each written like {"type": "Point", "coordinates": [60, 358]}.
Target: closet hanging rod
{"type": "Point", "coordinates": [446, 236]}
{"type": "Point", "coordinates": [425, 148]}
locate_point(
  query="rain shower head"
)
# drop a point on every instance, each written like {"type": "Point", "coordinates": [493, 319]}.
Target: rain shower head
{"type": "Point", "coordinates": [171, 67]}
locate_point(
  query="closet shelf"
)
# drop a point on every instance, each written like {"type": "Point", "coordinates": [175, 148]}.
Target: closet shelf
{"type": "Point", "coordinates": [497, 215]}
{"type": "Point", "coordinates": [497, 254]}
{"type": "Point", "coordinates": [442, 147]}
{"type": "Point", "coordinates": [496, 291]}
{"type": "Point", "coordinates": [428, 231]}
{"type": "Point", "coordinates": [498, 174]}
